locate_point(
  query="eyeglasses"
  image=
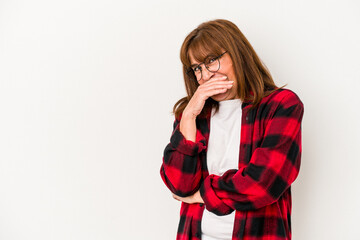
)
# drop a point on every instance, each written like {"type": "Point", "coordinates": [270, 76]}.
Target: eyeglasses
{"type": "Point", "coordinates": [212, 64]}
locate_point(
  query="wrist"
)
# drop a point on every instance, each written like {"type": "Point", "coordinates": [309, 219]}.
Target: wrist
{"type": "Point", "coordinates": [188, 115]}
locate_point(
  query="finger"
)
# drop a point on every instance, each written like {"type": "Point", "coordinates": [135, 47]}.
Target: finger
{"type": "Point", "coordinates": [215, 92]}
{"type": "Point", "coordinates": [217, 79]}
{"type": "Point", "coordinates": [216, 88]}
{"type": "Point", "coordinates": [175, 197]}
{"type": "Point", "coordinates": [218, 85]}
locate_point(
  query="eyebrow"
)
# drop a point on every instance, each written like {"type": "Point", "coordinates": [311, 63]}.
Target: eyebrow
{"type": "Point", "coordinates": [197, 64]}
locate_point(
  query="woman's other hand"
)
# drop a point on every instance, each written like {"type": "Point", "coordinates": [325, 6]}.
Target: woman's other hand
{"type": "Point", "coordinates": [195, 198]}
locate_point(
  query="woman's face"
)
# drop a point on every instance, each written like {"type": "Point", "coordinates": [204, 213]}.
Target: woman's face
{"type": "Point", "coordinates": [226, 69]}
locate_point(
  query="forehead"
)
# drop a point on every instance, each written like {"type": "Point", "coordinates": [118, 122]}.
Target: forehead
{"type": "Point", "coordinates": [198, 58]}
{"type": "Point", "coordinates": [201, 47]}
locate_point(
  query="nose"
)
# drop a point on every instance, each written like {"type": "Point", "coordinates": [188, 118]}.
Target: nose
{"type": "Point", "coordinates": [206, 74]}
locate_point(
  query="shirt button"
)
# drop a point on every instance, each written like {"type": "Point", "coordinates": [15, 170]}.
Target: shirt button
{"type": "Point", "coordinates": [201, 204]}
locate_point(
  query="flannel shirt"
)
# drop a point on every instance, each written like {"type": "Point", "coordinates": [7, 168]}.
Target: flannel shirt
{"type": "Point", "coordinates": [260, 189]}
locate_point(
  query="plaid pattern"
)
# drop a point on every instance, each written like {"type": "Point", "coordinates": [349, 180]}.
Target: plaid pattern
{"type": "Point", "coordinates": [259, 191]}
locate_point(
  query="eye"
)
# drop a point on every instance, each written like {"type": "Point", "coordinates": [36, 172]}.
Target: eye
{"type": "Point", "coordinates": [212, 60]}
{"type": "Point", "coordinates": [196, 69]}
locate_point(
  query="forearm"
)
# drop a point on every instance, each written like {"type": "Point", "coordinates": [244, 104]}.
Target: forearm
{"type": "Point", "coordinates": [188, 126]}
{"type": "Point", "coordinates": [273, 166]}
{"type": "Point", "coordinates": [181, 168]}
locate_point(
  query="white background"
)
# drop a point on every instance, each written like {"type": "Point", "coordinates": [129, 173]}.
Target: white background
{"type": "Point", "coordinates": [86, 93]}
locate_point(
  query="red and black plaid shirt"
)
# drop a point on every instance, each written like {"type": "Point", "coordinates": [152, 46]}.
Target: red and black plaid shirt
{"type": "Point", "coordinates": [259, 191]}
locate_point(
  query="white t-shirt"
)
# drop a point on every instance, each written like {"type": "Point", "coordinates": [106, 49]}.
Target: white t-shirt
{"type": "Point", "coordinates": [222, 155]}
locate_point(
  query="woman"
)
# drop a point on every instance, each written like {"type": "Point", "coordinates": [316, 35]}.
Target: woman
{"type": "Point", "coordinates": [235, 148]}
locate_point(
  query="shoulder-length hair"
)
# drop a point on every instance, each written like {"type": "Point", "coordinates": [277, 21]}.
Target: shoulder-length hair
{"type": "Point", "coordinates": [211, 37]}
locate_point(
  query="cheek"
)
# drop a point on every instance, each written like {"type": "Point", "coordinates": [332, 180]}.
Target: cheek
{"type": "Point", "coordinates": [229, 70]}
{"type": "Point", "coordinates": [231, 75]}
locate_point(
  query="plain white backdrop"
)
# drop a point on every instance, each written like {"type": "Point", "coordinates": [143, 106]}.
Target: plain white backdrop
{"type": "Point", "coordinates": [86, 93]}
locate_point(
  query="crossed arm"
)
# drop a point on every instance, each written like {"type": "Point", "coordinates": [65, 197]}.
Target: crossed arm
{"type": "Point", "coordinates": [273, 166]}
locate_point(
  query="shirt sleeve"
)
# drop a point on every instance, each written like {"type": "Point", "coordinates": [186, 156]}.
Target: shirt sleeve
{"type": "Point", "coordinates": [181, 165]}
{"type": "Point", "coordinates": [273, 166]}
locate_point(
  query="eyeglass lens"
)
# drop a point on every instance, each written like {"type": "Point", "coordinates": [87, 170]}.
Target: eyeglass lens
{"type": "Point", "coordinates": [211, 63]}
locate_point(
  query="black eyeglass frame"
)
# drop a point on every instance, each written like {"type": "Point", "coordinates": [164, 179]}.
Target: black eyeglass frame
{"type": "Point", "coordinates": [191, 74]}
